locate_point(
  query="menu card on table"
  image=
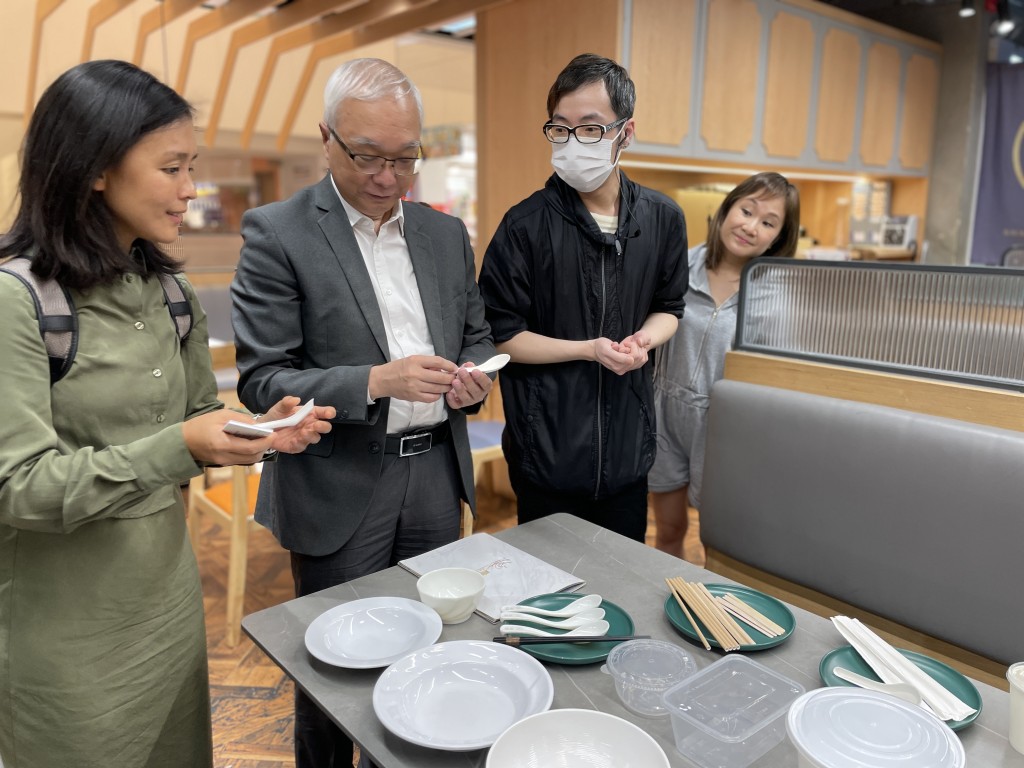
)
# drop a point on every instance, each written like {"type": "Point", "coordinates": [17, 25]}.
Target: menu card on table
{"type": "Point", "coordinates": [511, 574]}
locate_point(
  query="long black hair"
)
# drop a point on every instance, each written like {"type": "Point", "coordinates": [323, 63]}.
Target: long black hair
{"type": "Point", "coordinates": [84, 124]}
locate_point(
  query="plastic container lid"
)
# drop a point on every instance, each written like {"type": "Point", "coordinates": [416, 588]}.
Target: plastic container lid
{"type": "Point", "coordinates": [852, 728]}
{"type": "Point", "coordinates": [644, 669]}
{"type": "Point", "coordinates": [650, 664]}
{"type": "Point", "coordinates": [733, 699]}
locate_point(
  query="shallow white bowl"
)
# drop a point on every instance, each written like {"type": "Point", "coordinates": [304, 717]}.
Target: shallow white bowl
{"type": "Point", "coordinates": [460, 695]}
{"type": "Point", "coordinates": [372, 632]}
{"type": "Point", "coordinates": [575, 738]}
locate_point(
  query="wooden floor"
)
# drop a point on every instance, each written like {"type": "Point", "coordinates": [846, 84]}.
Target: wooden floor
{"type": "Point", "coordinates": [252, 698]}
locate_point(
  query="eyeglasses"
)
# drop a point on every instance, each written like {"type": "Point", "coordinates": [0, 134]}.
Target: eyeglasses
{"type": "Point", "coordinates": [591, 133]}
{"type": "Point", "coordinates": [374, 164]}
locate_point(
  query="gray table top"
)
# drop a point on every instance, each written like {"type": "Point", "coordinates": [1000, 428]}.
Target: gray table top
{"type": "Point", "coordinates": [623, 571]}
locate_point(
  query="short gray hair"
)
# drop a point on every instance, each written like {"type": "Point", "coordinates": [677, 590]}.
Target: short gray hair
{"type": "Point", "coordinates": [367, 80]}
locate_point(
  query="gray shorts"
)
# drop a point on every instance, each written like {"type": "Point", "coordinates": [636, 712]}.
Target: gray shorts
{"type": "Point", "coordinates": [682, 427]}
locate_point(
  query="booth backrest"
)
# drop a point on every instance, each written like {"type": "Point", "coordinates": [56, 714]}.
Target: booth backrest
{"type": "Point", "coordinates": [913, 517]}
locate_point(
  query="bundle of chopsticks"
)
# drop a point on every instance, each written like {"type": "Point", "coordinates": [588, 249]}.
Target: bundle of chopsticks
{"type": "Point", "coordinates": [719, 614]}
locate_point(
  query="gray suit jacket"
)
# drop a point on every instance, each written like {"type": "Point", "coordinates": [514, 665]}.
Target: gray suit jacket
{"type": "Point", "coordinates": [307, 323]}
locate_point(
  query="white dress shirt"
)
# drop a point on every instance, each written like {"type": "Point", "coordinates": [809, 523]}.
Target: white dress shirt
{"type": "Point", "coordinates": [386, 256]}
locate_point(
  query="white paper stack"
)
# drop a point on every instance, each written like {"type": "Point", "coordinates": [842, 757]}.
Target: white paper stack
{"type": "Point", "coordinates": [511, 574]}
{"type": "Point", "coordinates": [893, 667]}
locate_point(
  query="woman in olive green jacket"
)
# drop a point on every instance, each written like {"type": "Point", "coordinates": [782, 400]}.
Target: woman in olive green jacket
{"type": "Point", "coordinates": [102, 643]}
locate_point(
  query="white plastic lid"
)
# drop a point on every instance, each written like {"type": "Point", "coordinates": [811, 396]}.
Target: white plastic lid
{"type": "Point", "coordinates": [845, 727]}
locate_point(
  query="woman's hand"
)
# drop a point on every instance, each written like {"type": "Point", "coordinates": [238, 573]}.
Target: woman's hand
{"type": "Point", "coordinates": [308, 431]}
{"type": "Point", "coordinates": [207, 441]}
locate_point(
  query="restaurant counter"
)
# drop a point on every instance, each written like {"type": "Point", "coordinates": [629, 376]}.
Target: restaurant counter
{"type": "Point", "coordinates": [623, 571]}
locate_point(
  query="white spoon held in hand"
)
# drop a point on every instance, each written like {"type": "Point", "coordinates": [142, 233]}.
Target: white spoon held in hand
{"type": "Point", "coordinates": [592, 629]}
{"type": "Point", "coordinates": [496, 363]}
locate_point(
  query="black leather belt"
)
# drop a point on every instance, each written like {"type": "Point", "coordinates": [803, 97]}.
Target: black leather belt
{"type": "Point", "coordinates": [416, 441]}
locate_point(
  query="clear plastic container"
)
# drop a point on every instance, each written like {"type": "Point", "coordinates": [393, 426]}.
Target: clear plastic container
{"type": "Point", "coordinates": [644, 669]}
{"type": "Point", "coordinates": [730, 713]}
{"type": "Point", "coordinates": [852, 728]}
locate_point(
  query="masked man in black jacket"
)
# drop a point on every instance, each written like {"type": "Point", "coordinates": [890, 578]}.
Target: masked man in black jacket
{"type": "Point", "coordinates": [581, 281]}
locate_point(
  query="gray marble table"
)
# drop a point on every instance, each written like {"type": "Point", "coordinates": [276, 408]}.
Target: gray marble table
{"type": "Point", "coordinates": [627, 573]}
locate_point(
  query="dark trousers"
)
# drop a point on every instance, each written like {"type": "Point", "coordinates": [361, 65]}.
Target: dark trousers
{"type": "Point", "coordinates": [415, 508]}
{"type": "Point", "coordinates": [624, 512]}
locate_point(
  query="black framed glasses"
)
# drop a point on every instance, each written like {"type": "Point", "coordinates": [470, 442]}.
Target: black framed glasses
{"type": "Point", "coordinates": [374, 164]}
{"type": "Point", "coordinates": [590, 133]}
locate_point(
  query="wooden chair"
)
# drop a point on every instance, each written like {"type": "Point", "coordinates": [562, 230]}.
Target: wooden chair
{"type": "Point", "coordinates": [233, 500]}
{"type": "Point", "coordinates": [485, 446]}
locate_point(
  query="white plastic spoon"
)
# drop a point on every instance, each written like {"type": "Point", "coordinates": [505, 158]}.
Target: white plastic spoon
{"type": "Point", "coordinates": [496, 363]}
{"type": "Point", "coordinates": [585, 617]}
{"type": "Point", "coordinates": [579, 605]}
{"type": "Point", "coordinates": [904, 691]}
{"type": "Point", "coordinates": [594, 628]}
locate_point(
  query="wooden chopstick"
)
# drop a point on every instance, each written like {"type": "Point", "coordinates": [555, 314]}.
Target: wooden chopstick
{"type": "Point", "coordinates": [746, 618]}
{"type": "Point", "coordinates": [734, 629]}
{"type": "Point", "coordinates": [714, 614]}
{"type": "Point", "coordinates": [748, 609]}
{"type": "Point", "coordinates": [708, 613]}
{"type": "Point", "coordinates": [679, 599]}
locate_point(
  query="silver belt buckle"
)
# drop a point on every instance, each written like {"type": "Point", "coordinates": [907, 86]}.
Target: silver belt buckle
{"type": "Point", "coordinates": [413, 445]}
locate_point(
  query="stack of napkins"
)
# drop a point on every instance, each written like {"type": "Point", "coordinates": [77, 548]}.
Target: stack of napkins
{"type": "Point", "coordinates": [511, 574]}
{"type": "Point", "coordinates": [893, 667]}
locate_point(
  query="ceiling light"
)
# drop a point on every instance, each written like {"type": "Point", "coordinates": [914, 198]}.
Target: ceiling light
{"type": "Point", "coordinates": [1016, 58]}
{"type": "Point", "coordinates": [966, 9]}
{"type": "Point", "coordinates": [1005, 24]}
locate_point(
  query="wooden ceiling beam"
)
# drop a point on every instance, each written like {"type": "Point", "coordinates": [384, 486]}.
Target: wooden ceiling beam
{"type": "Point", "coordinates": [43, 9]}
{"type": "Point", "coordinates": [399, 24]}
{"type": "Point", "coordinates": [328, 26]}
{"type": "Point", "coordinates": [162, 15]}
{"type": "Point", "coordinates": [99, 13]}
{"type": "Point", "coordinates": [279, 21]}
{"type": "Point", "coordinates": [211, 23]}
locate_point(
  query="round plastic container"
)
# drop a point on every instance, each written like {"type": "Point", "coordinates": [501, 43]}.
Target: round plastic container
{"type": "Point", "coordinates": [643, 670]}
{"type": "Point", "coordinates": [852, 728]}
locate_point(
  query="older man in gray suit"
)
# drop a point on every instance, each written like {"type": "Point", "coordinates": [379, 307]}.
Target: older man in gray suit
{"type": "Point", "coordinates": [347, 295]}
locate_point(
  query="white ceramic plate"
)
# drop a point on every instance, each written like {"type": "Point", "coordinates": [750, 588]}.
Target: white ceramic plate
{"type": "Point", "coordinates": [575, 738]}
{"type": "Point", "coordinates": [372, 632]}
{"type": "Point", "coordinates": [460, 695]}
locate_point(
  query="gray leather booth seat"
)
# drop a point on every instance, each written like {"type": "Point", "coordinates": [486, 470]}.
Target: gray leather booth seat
{"type": "Point", "coordinates": [916, 518]}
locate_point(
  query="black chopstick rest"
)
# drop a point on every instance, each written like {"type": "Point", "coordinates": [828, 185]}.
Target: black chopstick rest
{"type": "Point", "coordinates": [515, 641]}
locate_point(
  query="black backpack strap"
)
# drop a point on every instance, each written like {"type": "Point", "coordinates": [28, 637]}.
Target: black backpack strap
{"type": "Point", "coordinates": [178, 305]}
{"type": "Point", "coordinates": [58, 322]}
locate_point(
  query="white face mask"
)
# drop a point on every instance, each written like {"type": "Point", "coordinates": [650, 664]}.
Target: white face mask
{"type": "Point", "coordinates": [584, 167]}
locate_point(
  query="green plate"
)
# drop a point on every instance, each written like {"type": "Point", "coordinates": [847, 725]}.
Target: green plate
{"type": "Point", "coordinates": [759, 601]}
{"type": "Point", "coordinates": [619, 622]}
{"type": "Point", "coordinates": [941, 673]}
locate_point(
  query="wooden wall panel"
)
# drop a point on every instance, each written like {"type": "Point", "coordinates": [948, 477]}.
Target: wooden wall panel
{"type": "Point", "coordinates": [787, 100]}
{"type": "Point", "coordinates": [732, 57]}
{"type": "Point", "coordinates": [920, 96]}
{"type": "Point", "coordinates": [837, 96]}
{"type": "Point", "coordinates": [520, 48]}
{"type": "Point", "coordinates": [881, 103]}
{"type": "Point", "coordinates": [662, 68]}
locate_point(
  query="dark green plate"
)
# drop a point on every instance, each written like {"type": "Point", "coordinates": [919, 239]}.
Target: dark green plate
{"type": "Point", "coordinates": [619, 622]}
{"type": "Point", "coordinates": [759, 601]}
{"type": "Point", "coordinates": [941, 673]}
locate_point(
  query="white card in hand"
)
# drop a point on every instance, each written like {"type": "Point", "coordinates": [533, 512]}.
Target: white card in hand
{"type": "Point", "coordinates": [262, 429]}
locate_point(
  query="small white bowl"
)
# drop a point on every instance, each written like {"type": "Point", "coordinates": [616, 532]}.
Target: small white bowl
{"type": "Point", "coordinates": [453, 592]}
{"type": "Point", "coordinates": [575, 738]}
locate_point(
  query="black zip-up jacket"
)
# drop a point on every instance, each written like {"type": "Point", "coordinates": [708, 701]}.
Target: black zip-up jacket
{"type": "Point", "coordinates": [578, 427]}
